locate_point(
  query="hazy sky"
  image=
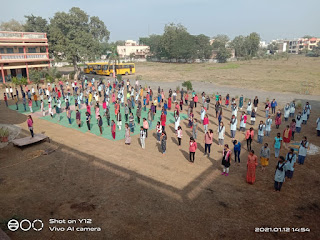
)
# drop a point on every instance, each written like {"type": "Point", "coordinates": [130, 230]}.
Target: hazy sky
{"type": "Point", "coordinates": [131, 19]}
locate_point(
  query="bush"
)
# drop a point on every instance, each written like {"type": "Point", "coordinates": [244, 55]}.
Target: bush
{"type": "Point", "coordinates": [187, 84]}
{"type": "Point", "coordinates": [23, 81]}
{"type": "Point", "coordinates": [35, 75]}
{"type": "Point", "coordinates": [58, 75]}
{"type": "Point", "coordinates": [178, 88]}
{"type": "Point", "coordinates": [16, 81]}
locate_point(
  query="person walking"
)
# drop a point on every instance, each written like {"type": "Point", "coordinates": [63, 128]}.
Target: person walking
{"type": "Point", "coordinates": [252, 164]}
{"type": "Point", "coordinates": [30, 125]}
{"type": "Point", "coordinates": [163, 142]}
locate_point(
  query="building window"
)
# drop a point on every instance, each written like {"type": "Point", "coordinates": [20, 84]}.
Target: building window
{"type": "Point", "coordinates": [20, 50]}
{"type": "Point", "coordinates": [9, 50]}
{"type": "Point", "coordinates": [2, 50]}
{"type": "Point", "coordinates": [31, 50]}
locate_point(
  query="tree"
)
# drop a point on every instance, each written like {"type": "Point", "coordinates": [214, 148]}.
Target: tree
{"type": "Point", "coordinates": [12, 25]}
{"type": "Point", "coordinates": [308, 36]}
{"type": "Point", "coordinates": [240, 46]}
{"type": "Point", "coordinates": [220, 41]}
{"type": "Point", "coordinates": [74, 36]}
{"type": "Point", "coordinates": [35, 24]}
{"type": "Point", "coordinates": [223, 54]}
{"type": "Point", "coordinates": [203, 47]}
{"type": "Point", "coordinates": [273, 47]}
{"type": "Point", "coordinates": [252, 44]}
{"type": "Point", "coordinates": [154, 42]}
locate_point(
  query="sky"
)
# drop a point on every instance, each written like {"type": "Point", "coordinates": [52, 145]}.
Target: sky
{"type": "Point", "coordinates": [131, 19]}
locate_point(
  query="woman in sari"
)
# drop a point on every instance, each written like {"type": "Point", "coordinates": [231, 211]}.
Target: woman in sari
{"type": "Point", "coordinates": [251, 167]}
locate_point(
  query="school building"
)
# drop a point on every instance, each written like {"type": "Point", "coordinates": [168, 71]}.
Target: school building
{"type": "Point", "coordinates": [20, 52]}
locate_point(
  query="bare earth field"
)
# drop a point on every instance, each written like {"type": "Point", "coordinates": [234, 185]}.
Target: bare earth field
{"type": "Point", "coordinates": [297, 74]}
{"type": "Point", "coordinates": [132, 193]}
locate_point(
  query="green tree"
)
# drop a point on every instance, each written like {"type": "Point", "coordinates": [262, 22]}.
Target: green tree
{"type": "Point", "coordinates": [240, 46]}
{"type": "Point", "coordinates": [220, 41]}
{"type": "Point", "coordinates": [154, 42]}
{"type": "Point", "coordinates": [273, 47]}
{"type": "Point", "coordinates": [12, 25]}
{"type": "Point", "coordinates": [223, 54]}
{"type": "Point", "coordinates": [35, 75]}
{"type": "Point", "coordinates": [203, 47]}
{"type": "Point", "coordinates": [308, 36]}
{"type": "Point", "coordinates": [74, 36]}
{"type": "Point", "coordinates": [35, 24]}
{"type": "Point", "coordinates": [252, 44]}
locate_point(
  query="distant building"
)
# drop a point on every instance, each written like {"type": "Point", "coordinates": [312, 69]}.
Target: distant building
{"type": "Point", "coordinates": [132, 49]}
{"type": "Point", "coordinates": [21, 51]}
{"type": "Point", "coordinates": [263, 44]}
{"type": "Point", "coordinates": [292, 46]}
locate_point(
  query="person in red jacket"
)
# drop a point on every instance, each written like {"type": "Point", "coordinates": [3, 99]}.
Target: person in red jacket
{"type": "Point", "coordinates": [287, 133]}
{"type": "Point", "coordinates": [163, 119]}
{"type": "Point", "coordinates": [192, 149]}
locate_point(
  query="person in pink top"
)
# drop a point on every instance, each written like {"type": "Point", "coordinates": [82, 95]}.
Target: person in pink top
{"type": "Point", "coordinates": [30, 125]}
{"type": "Point", "coordinates": [30, 105]}
{"type": "Point", "coordinates": [97, 111]}
{"type": "Point", "coordinates": [205, 123]}
{"type": "Point", "coordinates": [249, 137]}
{"type": "Point", "coordinates": [145, 126]}
{"type": "Point", "coordinates": [208, 138]}
{"type": "Point", "coordinates": [195, 99]}
{"type": "Point", "coordinates": [192, 149]}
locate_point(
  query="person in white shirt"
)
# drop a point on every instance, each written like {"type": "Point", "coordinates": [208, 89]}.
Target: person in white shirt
{"type": "Point", "coordinates": [179, 135]}
{"type": "Point", "coordinates": [221, 131]}
{"type": "Point", "coordinates": [286, 112]}
{"type": "Point", "coordinates": [268, 125]}
{"type": "Point", "coordinates": [261, 129]}
{"type": "Point", "coordinates": [298, 122]}
{"type": "Point", "coordinates": [233, 126]}
{"type": "Point", "coordinates": [7, 91]}
{"type": "Point", "coordinates": [11, 92]}
{"type": "Point", "coordinates": [143, 138]}
{"type": "Point", "coordinates": [292, 108]}
{"type": "Point", "coordinates": [308, 107]}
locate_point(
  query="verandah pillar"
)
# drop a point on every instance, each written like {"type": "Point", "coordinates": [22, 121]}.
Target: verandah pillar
{"type": "Point", "coordinates": [2, 74]}
{"type": "Point", "coordinates": [27, 69]}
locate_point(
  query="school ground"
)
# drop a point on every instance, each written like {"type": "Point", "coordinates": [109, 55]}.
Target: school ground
{"type": "Point", "coordinates": [132, 193]}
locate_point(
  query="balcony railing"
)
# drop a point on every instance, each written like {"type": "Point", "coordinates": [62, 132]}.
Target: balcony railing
{"type": "Point", "coordinates": [23, 35]}
{"type": "Point", "coordinates": [16, 56]}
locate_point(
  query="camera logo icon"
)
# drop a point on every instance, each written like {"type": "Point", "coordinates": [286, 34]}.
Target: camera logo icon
{"type": "Point", "coordinates": [25, 225]}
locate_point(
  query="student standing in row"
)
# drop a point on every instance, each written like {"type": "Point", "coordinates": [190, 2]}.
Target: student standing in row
{"type": "Point", "coordinates": [226, 158]}
{"type": "Point", "coordinates": [290, 162]}
{"type": "Point", "coordinates": [268, 126]}
{"type": "Point", "coordinates": [298, 122]}
{"type": "Point", "coordinates": [243, 122]}
{"type": "Point", "coordinates": [237, 150]}
{"type": "Point", "coordinates": [179, 135]}
{"type": "Point", "coordinates": [192, 149]}
{"type": "Point", "coordinates": [261, 129]}
{"type": "Point", "coordinates": [100, 124]}
{"type": "Point", "coordinates": [249, 138]}
{"type": "Point", "coordinates": [163, 142]}
{"type": "Point", "coordinates": [279, 176]}
{"type": "Point", "coordinates": [252, 164]}
{"type": "Point", "coordinates": [208, 138]}
{"type": "Point", "coordinates": [88, 118]}
{"type": "Point", "coordinates": [264, 156]}
{"type": "Point", "coordinates": [127, 135]}
{"type": "Point", "coordinates": [233, 127]}
{"type": "Point", "coordinates": [277, 145]}
{"type": "Point", "coordinates": [142, 137]}
{"type": "Point", "coordinates": [221, 132]}
{"type": "Point", "coordinates": [113, 129]}
{"type": "Point", "coordinates": [304, 145]}
{"type": "Point", "coordinates": [287, 136]}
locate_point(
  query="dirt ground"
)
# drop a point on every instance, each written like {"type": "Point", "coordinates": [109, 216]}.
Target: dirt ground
{"type": "Point", "coordinates": [297, 74]}
{"type": "Point", "coordinates": [132, 193]}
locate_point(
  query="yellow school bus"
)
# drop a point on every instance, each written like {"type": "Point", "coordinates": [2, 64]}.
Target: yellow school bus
{"type": "Point", "coordinates": [125, 68]}
{"type": "Point", "coordinates": [104, 69]}
{"type": "Point", "coordinates": [92, 68]}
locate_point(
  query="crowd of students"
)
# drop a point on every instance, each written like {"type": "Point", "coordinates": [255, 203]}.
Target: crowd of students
{"type": "Point", "coordinates": [124, 95]}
